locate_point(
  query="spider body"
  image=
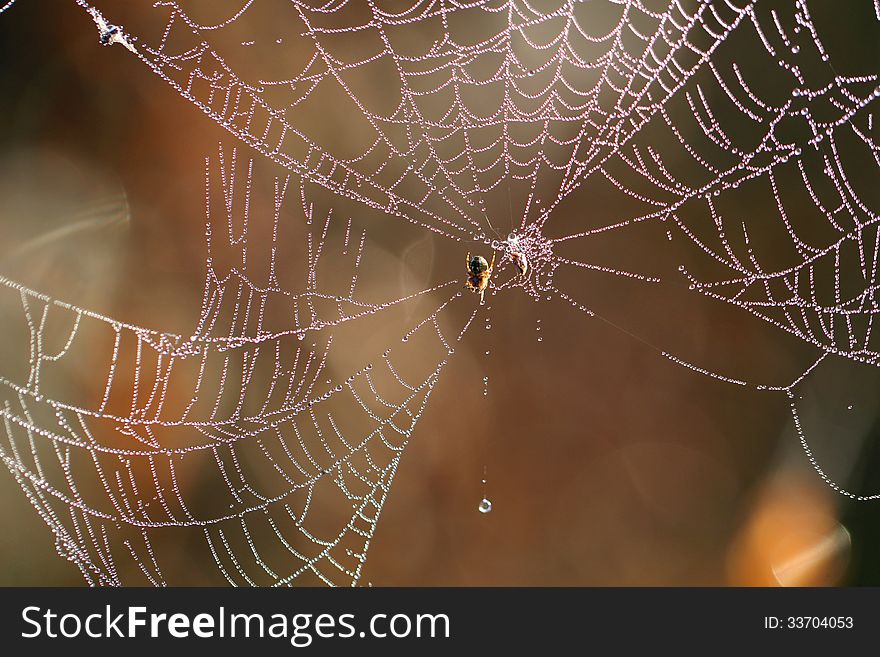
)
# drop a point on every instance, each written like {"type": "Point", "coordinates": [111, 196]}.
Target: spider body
{"type": "Point", "coordinates": [479, 272]}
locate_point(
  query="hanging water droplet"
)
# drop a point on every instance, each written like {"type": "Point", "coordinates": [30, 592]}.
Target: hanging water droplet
{"type": "Point", "coordinates": [485, 505]}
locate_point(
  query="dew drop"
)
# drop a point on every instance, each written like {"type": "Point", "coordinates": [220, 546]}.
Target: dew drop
{"type": "Point", "coordinates": [485, 505]}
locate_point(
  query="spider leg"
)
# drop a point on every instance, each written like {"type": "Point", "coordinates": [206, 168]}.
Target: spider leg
{"type": "Point", "coordinates": [493, 262]}
{"type": "Point", "coordinates": [467, 262]}
{"type": "Point", "coordinates": [482, 292]}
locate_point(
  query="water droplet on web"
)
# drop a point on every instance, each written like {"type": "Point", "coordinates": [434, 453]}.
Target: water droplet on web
{"type": "Point", "coordinates": [485, 505]}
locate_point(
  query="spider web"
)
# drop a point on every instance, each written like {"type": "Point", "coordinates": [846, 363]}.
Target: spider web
{"type": "Point", "coordinates": [478, 121]}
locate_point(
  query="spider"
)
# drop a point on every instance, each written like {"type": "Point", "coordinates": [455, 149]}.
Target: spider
{"type": "Point", "coordinates": [479, 271]}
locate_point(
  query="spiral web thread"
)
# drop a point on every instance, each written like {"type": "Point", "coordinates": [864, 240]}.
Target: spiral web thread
{"type": "Point", "coordinates": [105, 474]}
{"type": "Point", "coordinates": [501, 111]}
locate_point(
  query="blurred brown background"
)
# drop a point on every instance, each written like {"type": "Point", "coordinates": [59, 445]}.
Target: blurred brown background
{"type": "Point", "coordinates": [606, 463]}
